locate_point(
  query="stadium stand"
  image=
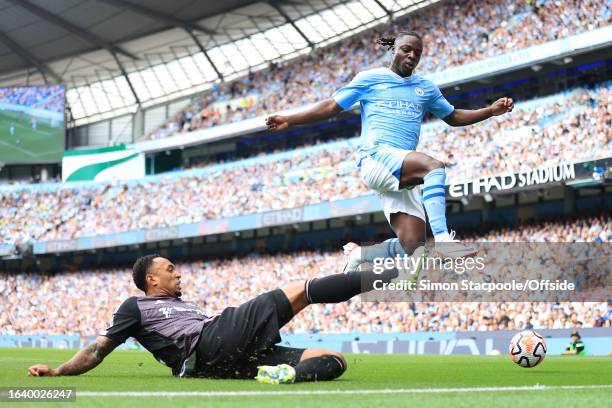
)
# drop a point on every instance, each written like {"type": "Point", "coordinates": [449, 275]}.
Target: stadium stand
{"type": "Point", "coordinates": [49, 98]}
{"type": "Point", "coordinates": [569, 127]}
{"type": "Point", "coordinates": [467, 31]}
{"type": "Point", "coordinates": [29, 305]}
{"type": "Point", "coordinates": [165, 150]}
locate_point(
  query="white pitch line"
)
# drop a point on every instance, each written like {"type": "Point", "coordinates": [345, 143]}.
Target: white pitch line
{"type": "Point", "coordinates": [169, 394]}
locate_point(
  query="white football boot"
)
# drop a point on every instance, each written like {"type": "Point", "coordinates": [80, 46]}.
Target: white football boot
{"type": "Point", "coordinates": [449, 247]}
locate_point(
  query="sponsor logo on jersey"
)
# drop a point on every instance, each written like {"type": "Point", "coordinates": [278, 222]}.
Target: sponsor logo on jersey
{"type": "Point", "coordinates": [168, 311]}
{"type": "Point", "coordinates": [401, 107]}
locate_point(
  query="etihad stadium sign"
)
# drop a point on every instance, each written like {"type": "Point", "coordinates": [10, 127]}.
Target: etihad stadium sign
{"type": "Point", "coordinates": [544, 175]}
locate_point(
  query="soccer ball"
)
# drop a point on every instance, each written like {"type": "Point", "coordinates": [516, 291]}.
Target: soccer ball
{"type": "Point", "coordinates": [527, 349]}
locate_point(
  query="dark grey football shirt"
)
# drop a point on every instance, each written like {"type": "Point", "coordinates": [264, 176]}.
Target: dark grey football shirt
{"type": "Point", "coordinates": [168, 327]}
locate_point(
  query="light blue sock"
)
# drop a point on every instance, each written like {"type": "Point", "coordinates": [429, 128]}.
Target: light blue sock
{"type": "Point", "coordinates": [434, 200]}
{"type": "Point", "coordinates": [386, 249]}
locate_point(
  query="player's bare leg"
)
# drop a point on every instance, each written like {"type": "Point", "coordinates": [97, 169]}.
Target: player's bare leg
{"type": "Point", "coordinates": [410, 232]}
{"type": "Point", "coordinates": [415, 167]}
{"type": "Point", "coordinates": [419, 168]}
{"type": "Point", "coordinates": [296, 293]}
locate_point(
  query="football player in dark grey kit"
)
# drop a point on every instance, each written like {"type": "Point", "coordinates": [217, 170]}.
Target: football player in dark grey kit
{"type": "Point", "coordinates": [240, 342]}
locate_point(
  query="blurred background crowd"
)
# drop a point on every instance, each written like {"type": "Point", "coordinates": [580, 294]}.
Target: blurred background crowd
{"type": "Point", "coordinates": [30, 303]}
{"type": "Point", "coordinates": [570, 127]}
{"type": "Point", "coordinates": [453, 35]}
{"type": "Point", "coordinates": [49, 98]}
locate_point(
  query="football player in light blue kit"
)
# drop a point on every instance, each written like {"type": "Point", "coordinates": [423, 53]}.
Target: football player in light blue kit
{"type": "Point", "coordinates": [393, 103]}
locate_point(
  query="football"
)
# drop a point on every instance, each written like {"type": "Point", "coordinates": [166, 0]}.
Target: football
{"type": "Point", "coordinates": [527, 349]}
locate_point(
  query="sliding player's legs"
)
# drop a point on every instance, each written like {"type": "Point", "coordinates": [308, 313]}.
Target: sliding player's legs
{"type": "Point", "coordinates": [315, 364]}
{"type": "Point", "coordinates": [244, 338]}
{"type": "Point", "coordinates": [241, 334]}
{"type": "Point", "coordinates": [279, 364]}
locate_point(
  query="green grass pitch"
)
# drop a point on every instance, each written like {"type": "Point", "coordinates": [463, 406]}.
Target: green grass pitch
{"type": "Point", "coordinates": [45, 144]}
{"type": "Point", "coordinates": [371, 380]}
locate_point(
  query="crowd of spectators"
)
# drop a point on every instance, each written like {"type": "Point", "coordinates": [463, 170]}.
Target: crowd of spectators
{"type": "Point", "coordinates": [453, 34]}
{"type": "Point", "coordinates": [593, 229]}
{"type": "Point", "coordinates": [571, 127]}
{"type": "Point", "coordinates": [31, 304]}
{"type": "Point", "coordinates": [49, 98]}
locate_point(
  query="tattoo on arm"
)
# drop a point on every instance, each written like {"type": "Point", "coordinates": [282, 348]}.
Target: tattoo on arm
{"type": "Point", "coordinates": [87, 358]}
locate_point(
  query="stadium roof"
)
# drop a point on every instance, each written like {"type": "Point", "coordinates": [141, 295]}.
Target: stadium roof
{"type": "Point", "coordinates": [118, 55]}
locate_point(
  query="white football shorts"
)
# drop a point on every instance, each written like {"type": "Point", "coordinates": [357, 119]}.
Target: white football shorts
{"type": "Point", "coordinates": [381, 172]}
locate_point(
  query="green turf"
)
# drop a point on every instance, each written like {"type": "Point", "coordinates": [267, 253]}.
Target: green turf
{"type": "Point", "coordinates": [44, 144]}
{"type": "Point", "coordinates": [138, 371]}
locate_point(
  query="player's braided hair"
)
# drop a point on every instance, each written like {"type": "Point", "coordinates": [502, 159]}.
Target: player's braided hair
{"type": "Point", "coordinates": [140, 269]}
{"type": "Point", "coordinates": [389, 42]}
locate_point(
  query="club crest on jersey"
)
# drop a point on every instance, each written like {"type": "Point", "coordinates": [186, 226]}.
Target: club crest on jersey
{"type": "Point", "coordinates": [419, 91]}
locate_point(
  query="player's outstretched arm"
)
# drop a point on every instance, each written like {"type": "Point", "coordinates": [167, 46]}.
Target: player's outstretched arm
{"type": "Point", "coordinates": [82, 361]}
{"type": "Point", "coordinates": [464, 117]}
{"type": "Point", "coordinates": [322, 110]}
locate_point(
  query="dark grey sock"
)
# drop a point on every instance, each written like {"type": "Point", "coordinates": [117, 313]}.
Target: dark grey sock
{"type": "Point", "coordinates": [343, 286]}
{"type": "Point", "coordinates": [322, 368]}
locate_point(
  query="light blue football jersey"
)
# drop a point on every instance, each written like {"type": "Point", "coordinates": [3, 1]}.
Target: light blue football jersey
{"type": "Point", "coordinates": [392, 107]}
